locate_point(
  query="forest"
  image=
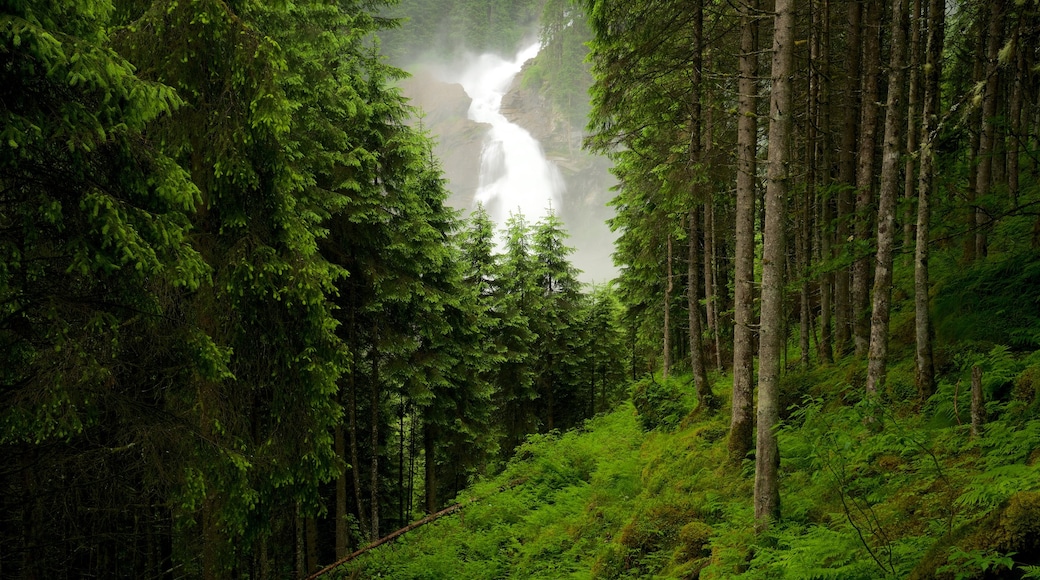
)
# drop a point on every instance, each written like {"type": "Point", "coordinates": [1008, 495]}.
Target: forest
{"type": "Point", "coordinates": [244, 336]}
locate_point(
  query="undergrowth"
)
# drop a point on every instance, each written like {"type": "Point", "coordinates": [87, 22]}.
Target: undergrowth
{"type": "Point", "coordinates": [886, 487]}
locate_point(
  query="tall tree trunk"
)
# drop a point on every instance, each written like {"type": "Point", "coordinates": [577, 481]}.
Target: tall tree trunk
{"type": "Point", "coordinates": [373, 442]}
{"type": "Point", "coordinates": [342, 537]}
{"type": "Point", "coordinates": [767, 456]}
{"type": "Point", "coordinates": [667, 366]}
{"type": "Point", "coordinates": [352, 418]}
{"type": "Point", "coordinates": [892, 151]}
{"type": "Point", "coordinates": [429, 453]}
{"type": "Point", "coordinates": [312, 544]}
{"type": "Point", "coordinates": [301, 561]}
{"type": "Point", "coordinates": [741, 420]}
{"type": "Point", "coordinates": [912, 124]}
{"type": "Point", "coordinates": [865, 175]}
{"type": "Point", "coordinates": [820, 157]}
{"type": "Point", "coordinates": [711, 277]}
{"type": "Point", "coordinates": [987, 137]}
{"type": "Point", "coordinates": [925, 368]}
{"type": "Point", "coordinates": [847, 175]}
{"type": "Point", "coordinates": [974, 121]}
{"type": "Point", "coordinates": [705, 398]}
{"type": "Point", "coordinates": [1015, 113]}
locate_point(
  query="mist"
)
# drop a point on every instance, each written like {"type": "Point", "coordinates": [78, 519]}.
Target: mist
{"type": "Point", "coordinates": [576, 184]}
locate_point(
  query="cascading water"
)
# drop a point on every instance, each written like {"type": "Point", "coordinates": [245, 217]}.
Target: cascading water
{"type": "Point", "coordinates": [515, 176]}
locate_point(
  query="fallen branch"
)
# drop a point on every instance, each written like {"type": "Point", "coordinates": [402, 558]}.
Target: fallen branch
{"type": "Point", "coordinates": [416, 524]}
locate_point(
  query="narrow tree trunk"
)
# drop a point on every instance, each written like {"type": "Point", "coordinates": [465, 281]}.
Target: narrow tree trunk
{"type": "Point", "coordinates": [429, 453]}
{"type": "Point", "coordinates": [312, 544]}
{"type": "Point", "coordinates": [973, 122]}
{"type": "Point", "coordinates": [767, 456]}
{"type": "Point", "coordinates": [847, 176]}
{"type": "Point", "coordinates": [865, 176]}
{"type": "Point", "coordinates": [892, 151]}
{"type": "Point", "coordinates": [711, 281]}
{"type": "Point", "coordinates": [912, 124]}
{"type": "Point", "coordinates": [1015, 113]}
{"type": "Point", "coordinates": [741, 420]}
{"type": "Point", "coordinates": [373, 442]}
{"type": "Point", "coordinates": [925, 369]}
{"type": "Point", "coordinates": [705, 398]}
{"type": "Point", "coordinates": [342, 537]}
{"type": "Point", "coordinates": [401, 500]}
{"type": "Point", "coordinates": [667, 366]}
{"type": "Point", "coordinates": [301, 561]}
{"type": "Point", "coordinates": [354, 433]}
{"type": "Point", "coordinates": [987, 137]}
{"type": "Point", "coordinates": [819, 94]}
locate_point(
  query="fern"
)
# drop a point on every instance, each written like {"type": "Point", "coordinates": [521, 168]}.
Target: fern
{"type": "Point", "coordinates": [993, 487]}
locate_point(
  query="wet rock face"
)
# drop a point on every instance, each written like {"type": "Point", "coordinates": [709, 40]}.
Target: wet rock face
{"type": "Point", "coordinates": [459, 142]}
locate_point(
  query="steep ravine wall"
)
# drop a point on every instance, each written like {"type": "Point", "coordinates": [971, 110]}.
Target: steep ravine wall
{"type": "Point", "coordinates": [459, 142]}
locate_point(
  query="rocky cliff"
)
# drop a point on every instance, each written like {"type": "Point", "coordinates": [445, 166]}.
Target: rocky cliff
{"type": "Point", "coordinates": [459, 142]}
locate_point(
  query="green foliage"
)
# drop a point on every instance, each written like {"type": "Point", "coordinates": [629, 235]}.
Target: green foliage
{"type": "Point", "coordinates": [994, 300]}
{"type": "Point", "coordinates": [569, 491]}
{"type": "Point", "coordinates": [661, 404]}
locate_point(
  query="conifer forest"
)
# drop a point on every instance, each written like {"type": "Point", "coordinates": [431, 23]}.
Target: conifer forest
{"type": "Point", "coordinates": [248, 330]}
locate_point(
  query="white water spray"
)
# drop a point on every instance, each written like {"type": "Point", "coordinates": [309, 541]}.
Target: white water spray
{"type": "Point", "coordinates": [515, 176]}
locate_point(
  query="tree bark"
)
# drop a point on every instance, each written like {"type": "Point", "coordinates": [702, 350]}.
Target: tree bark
{"type": "Point", "coordinates": [667, 354]}
{"type": "Point", "coordinates": [342, 535]}
{"type": "Point", "coordinates": [429, 453]}
{"type": "Point", "coordinates": [865, 176]}
{"type": "Point", "coordinates": [924, 365]}
{"type": "Point", "coordinates": [847, 176]}
{"type": "Point", "coordinates": [987, 136]}
{"type": "Point", "coordinates": [892, 151]}
{"type": "Point", "coordinates": [705, 398]}
{"type": "Point", "coordinates": [912, 123]}
{"type": "Point", "coordinates": [741, 420]}
{"type": "Point", "coordinates": [374, 437]}
{"type": "Point", "coordinates": [767, 456]}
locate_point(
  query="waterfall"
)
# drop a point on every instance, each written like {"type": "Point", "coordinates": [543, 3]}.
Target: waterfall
{"type": "Point", "coordinates": [515, 176]}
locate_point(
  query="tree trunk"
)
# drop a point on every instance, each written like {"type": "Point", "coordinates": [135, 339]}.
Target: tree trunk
{"type": "Point", "coordinates": [705, 398]}
{"type": "Point", "coordinates": [987, 137]}
{"type": "Point", "coordinates": [847, 176]}
{"type": "Point", "coordinates": [973, 121]}
{"type": "Point", "coordinates": [925, 369]}
{"type": "Point", "coordinates": [912, 123]}
{"type": "Point", "coordinates": [342, 537]}
{"type": "Point", "coordinates": [1015, 113]}
{"type": "Point", "coordinates": [667, 362]}
{"type": "Point", "coordinates": [312, 544]}
{"type": "Point", "coordinates": [820, 157]}
{"type": "Point", "coordinates": [430, 456]}
{"type": "Point", "coordinates": [865, 176]}
{"type": "Point", "coordinates": [694, 281]}
{"type": "Point", "coordinates": [355, 435]}
{"type": "Point", "coordinates": [711, 282]}
{"type": "Point", "coordinates": [741, 420]}
{"type": "Point", "coordinates": [374, 437]}
{"type": "Point", "coordinates": [301, 561]}
{"type": "Point", "coordinates": [892, 151]}
{"type": "Point", "coordinates": [767, 456]}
